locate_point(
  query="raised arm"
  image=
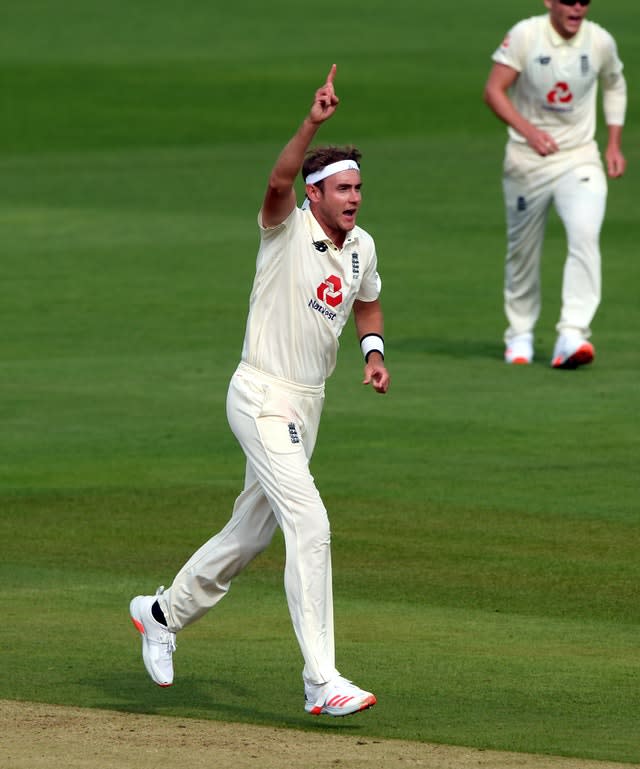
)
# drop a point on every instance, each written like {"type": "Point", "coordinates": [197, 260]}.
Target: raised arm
{"type": "Point", "coordinates": [369, 322]}
{"type": "Point", "coordinates": [501, 78]}
{"type": "Point", "coordinates": [280, 197]}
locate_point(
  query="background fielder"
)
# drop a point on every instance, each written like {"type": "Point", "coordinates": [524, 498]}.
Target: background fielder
{"type": "Point", "coordinates": [543, 85]}
{"type": "Point", "coordinates": [314, 266]}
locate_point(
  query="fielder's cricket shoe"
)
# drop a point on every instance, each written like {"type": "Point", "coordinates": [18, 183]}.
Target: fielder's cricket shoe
{"type": "Point", "coordinates": [336, 698]}
{"type": "Point", "coordinates": [519, 350]}
{"type": "Point", "coordinates": [158, 643]}
{"type": "Point", "coordinates": [572, 351]}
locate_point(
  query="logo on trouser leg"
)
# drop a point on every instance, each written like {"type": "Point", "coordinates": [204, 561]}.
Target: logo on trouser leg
{"type": "Point", "coordinates": [521, 204]}
{"type": "Point", "coordinates": [293, 433]}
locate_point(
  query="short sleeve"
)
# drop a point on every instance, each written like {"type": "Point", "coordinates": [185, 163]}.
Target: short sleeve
{"type": "Point", "coordinates": [511, 51]}
{"type": "Point", "coordinates": [371, 284]}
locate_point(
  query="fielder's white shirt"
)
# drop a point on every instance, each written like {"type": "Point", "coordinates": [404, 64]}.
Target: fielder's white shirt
{"type": "Point", "coordinates": [557, 85]}
{"type": "Point", "coordinates": [302, 297]}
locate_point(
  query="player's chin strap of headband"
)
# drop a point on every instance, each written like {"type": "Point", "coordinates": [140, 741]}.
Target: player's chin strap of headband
{"type": "Point", "coordinates": [330, 170]}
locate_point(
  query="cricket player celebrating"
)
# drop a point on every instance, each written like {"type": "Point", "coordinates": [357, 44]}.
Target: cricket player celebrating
{"type": "Point", "coordinates": [314, 266]}
{"type": "Point", "coordinates": [543, 85]}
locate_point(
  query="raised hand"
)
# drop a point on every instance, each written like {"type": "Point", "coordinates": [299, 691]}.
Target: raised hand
{"type": "Point", "coordinates": [325, 101]}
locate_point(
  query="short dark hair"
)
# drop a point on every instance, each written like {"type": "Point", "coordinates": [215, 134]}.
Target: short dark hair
{"type": "Point", "coordinates": [320, 157]}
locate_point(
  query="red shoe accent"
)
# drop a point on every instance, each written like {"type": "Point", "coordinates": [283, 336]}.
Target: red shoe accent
{"type": "Point", "coordinates": [369, 702]}
{"type": "Point", "coordinates": [581, 357]}
{"type": "Point", "coordinates": [340, 700]}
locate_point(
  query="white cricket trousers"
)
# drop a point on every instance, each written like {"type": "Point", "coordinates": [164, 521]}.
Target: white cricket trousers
{"type": "Point", "coordinates": [276, 423]}
{"type": "Point", "coordinates": [575, 182]}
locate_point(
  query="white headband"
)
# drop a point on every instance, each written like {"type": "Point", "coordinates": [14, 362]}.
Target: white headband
{"type": "Point", "coordinates": [332, 168]}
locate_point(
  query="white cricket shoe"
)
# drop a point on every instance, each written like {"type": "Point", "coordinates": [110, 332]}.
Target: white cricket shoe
{"type": "Point", "coordinates": [338, 697]}
{"type": "Point", "coordinates": [519, 349]}
{"type": "Point", "coordinates": [158, 643]}
{"type": "Point", "coordinates": [571, 351]}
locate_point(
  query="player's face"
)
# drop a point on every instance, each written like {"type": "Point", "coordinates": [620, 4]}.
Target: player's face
{"type": "Point", "coordinates": [336, 205]}
{"type": "Point", "coordinates": [566, 19]}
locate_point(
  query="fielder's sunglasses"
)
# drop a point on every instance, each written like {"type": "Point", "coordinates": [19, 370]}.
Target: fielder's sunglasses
{"type": "Point", "coordinates": [573, 2]}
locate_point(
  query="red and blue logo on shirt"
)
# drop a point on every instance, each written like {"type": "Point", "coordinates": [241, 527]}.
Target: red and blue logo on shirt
{"type": "Point", "coordinates": [330, 291]}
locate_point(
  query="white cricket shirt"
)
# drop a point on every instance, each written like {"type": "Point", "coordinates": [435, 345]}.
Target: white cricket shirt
{"type": "Point", "coordinates": [557, 85]}
{"type": "Point", "coordinates": [302, 297]}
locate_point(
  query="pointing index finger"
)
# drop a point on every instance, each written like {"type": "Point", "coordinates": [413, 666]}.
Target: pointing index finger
{"type": "Point", "coordinates": [332, 74]}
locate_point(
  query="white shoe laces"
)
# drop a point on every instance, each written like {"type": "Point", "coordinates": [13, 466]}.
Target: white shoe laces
{"type": "Point", "coordinates": [164, 638]}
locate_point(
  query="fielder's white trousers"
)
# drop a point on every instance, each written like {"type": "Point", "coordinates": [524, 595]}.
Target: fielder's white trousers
{"type": "Point", "coordinates": [574, 181]}
{"type": "Point", "coordinates": [276, 423]}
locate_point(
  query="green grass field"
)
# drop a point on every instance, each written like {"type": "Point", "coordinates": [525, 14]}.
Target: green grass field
{"type": "Point", "coordinates": [485, 519]}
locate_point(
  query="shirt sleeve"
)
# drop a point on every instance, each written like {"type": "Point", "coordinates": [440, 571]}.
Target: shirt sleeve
{"type": "Point", "coordinates": [273, 240]}
{"type": "Point", "coordinates": [614, 85]}
{"type": "Point", "coordinates": [511, 51]}
{"type": "Point", "coordinates": [268, 232]}
{"type": "Point", "coordinates": [371, 284]}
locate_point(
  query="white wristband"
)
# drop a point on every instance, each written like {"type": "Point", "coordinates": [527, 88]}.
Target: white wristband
{"type": "Point", "coordinates": [371, 343]}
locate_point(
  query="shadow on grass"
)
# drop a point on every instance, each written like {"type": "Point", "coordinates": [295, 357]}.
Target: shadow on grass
{"type": "Point", "coordinates": [214, 699]}
{"type": "Point", "coordinates": [453, 348]}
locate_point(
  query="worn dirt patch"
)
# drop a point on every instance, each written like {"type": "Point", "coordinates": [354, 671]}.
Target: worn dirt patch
{"type": "Point", "coordinates": [37, 736]}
